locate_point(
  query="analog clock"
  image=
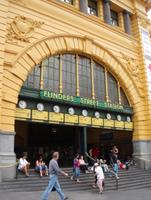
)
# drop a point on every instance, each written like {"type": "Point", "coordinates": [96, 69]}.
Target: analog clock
{"type": "Point", "coordinates": [97, 114]}
{"type": "Point", "coordinates": [108, 116]}
{"type": "Point", "coordinates": [71, 111]}
{"type": "Point", "coordinates": [40, 106]}
{"type": "Point", "coordinates": [84, 113]}
{"type": "Point", "coordinates": [56, 109]}
{"type": "Point", "coordinates": [128, 119]}
{"type": "Point", "coordinates": [22, 104]}
{"type": "Point", "coordinates": [119, 118]}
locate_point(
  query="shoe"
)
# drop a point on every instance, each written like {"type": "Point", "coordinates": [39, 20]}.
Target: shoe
{"type": "Point", "coordinates": [71, 177]}
{"type": "Point", "coordinates": [66, 198]}
{"type": "Point", "coordinates": [117, 177]}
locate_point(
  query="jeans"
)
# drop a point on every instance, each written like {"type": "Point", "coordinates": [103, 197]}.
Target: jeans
{"type": "Point", "coordinates": [53, 182]}
{"type": "Point", "coordinates": [115, 168]}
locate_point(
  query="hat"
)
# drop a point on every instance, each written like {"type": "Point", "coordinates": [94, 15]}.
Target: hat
{"type": "Point", "coordinates": [96, 164]}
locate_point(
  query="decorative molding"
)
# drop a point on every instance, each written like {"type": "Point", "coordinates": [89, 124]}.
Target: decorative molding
{"type": "Point", "coordinates": [144, 22]}
{"type": "Point", "coordinates": [20, 2]}
{"type": "Point", "coordinates": [147, 4]}
{"type": "Point", "coordinates": [131, 65]}
{"type": "Point", "coordinates": [22, 28]}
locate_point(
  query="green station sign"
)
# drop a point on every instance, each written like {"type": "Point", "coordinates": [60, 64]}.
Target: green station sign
{"type": "Point", "coordinates": [80, 101]}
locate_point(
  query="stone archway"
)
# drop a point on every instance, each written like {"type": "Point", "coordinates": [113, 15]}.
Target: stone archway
{"type": "Point", "coordinates": [29, 57]}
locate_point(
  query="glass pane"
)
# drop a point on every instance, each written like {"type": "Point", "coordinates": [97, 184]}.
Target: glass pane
{"type": "Point", "coordinates": [85, 77]}
{"type": "Point", "coordinates": [99, 81]}
{"type": "Point", "coordinates": [92, 7]}
{"type": "Point", "coordinates": [51, 73]}
{"type": "Point", "coordinates": [114, 18]}
{"type": "Point", "coordinates": [33, 80]}
{"type": "Point", "coordinates": [112, 89]}
{"type": "Point", "coordinates": [69, 74]}
{"type": "Point", "coordinates": [124, 99]}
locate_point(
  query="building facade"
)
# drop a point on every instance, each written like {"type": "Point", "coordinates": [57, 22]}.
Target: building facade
{"type": "Point", "coordinates": [74, 73]}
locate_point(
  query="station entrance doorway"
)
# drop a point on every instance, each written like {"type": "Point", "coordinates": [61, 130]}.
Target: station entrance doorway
{"type": "Point", "coordinates": [42, 139]}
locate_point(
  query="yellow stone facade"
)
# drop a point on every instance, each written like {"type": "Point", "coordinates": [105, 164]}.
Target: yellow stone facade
{"type": "Point", "coordinates": [32, 30]}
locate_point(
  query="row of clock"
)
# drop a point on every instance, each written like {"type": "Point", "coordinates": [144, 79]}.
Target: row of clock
{"type": "Point", "coordinates": [22, 104]}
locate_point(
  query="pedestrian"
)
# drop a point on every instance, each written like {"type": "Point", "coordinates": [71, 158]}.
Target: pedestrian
{"type": "Point", "coordinates": [54, 170]}
{"type": "Point", "coordinates": [76, 169]}
{"type": "Point", "coordinates": [114, 163]}
{"type": "Point", "coordinates": [100, 177]}
{"type": "Point", "coordinates": [23, 164]}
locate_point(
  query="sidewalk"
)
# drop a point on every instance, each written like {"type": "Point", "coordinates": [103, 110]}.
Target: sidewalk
{"type": "Point", "coordinates": [115, 195]}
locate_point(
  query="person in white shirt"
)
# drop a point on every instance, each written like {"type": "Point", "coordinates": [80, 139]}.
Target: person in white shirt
{"type": "Point", "coordinates": [23, 164]}
{"type": "Point", "coordinates": [100, 176]}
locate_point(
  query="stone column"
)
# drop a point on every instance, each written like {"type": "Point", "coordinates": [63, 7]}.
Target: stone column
{"type": "Point", "coordinates": [142, 153]}
{"type": "Point", "coordinates": [127, 22]}
{"type": "Point", "coordinates": [107, 11]}
{"type": "Point", "coordinates": [83, 140]}
{"type": "Point", "coordinates": [84, 6]}
{"type": "Point", "coordinates": [7, 155]}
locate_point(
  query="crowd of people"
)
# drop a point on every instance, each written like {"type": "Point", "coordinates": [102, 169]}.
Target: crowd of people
{"type": "Point", "coordinates": [96, 165]}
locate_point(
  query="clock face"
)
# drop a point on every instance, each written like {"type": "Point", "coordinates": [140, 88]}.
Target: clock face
{"type": "Point", "coordinates": [119, 118]}
{"type": "Point", "coordinates": [108, 116]}
{"type": "Point", "coordinates": [128, 119]}
{"type": "Point", "coordinates": [40, 106]}
{"type": "Point", "coordinates": [71, 111]}
{"type": "Point", "coordinates": [56, 109]}
{"type": "Point", "coordinates": [22, 104]}
{"type": "Point", "coordinates": [84, 113]}
{"type": "Point", "coordinates": [97, 115]}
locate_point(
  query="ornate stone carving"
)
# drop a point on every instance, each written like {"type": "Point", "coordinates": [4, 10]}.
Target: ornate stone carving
{"type": "Point", "coordinates": [131, 65]}
{"type": "Point", "coordinates": [147, 4]}
{"type": "Point", "coordinates": [144, 22]}
{"type": "Point", "coordinates": [22, 28]}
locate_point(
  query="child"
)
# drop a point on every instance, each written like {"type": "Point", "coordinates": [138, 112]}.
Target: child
{"type": "Point", "coordinates": [100, 177]}
{"type": "Point", "coordinates": [76, 169]}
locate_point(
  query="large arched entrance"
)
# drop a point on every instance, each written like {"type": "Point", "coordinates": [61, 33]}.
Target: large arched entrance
{"type": "Point", "coordinates": [15, 76]}
{"type": "Point", "coordinates": [71, 102]}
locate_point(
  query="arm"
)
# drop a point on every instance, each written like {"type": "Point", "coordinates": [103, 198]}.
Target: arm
{"type": "Point", "coordinates": [57, 169]}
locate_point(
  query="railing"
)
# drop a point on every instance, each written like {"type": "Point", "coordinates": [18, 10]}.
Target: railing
{"type": "Point", "coordinates": [111, 171]}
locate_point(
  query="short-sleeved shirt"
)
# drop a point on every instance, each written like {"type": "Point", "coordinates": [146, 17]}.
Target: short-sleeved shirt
{"type": "Point", "coordinates": [22, 163]}
{"type": "Point", "coordinates": [54, 167]}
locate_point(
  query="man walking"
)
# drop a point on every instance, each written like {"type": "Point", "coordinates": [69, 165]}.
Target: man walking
{"type": "Point", "coordinates": [54, 170]}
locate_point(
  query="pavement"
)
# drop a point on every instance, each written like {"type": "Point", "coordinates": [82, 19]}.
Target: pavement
{"type": "Point", "coordinates": [144, 194]}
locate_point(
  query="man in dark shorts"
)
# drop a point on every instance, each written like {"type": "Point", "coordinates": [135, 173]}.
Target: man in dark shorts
{"type": "Point", "coordinates": [54, 170]}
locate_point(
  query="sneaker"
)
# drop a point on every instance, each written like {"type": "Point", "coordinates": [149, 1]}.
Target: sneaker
{"type": "Point", "coordinates": [66, 198]}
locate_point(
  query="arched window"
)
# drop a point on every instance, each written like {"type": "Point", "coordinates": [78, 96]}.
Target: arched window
{"type": "Point", "coordinates": [85, 77]}
{"type": "Point", "coordinates": [51, 73]}
{"type": "Point", "coordinates": [76, 75]}
{"type": "Point", "coordinates": [112, 89]}
{"type": "Point", "coordinates": [99, 81]}
{"type": "Point", "coordinates": [69, 74]}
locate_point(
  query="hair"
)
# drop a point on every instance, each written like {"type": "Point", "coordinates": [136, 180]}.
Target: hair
{"type": "Point", "coordinates": [25, 154]}
{"type": "Point", "coordinates": [55, 154]}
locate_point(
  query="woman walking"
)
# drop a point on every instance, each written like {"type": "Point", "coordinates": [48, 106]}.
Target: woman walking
{"type": "Point", "coordinates": [76, 169]}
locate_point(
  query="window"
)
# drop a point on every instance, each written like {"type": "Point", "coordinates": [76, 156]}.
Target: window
{"type": "Point", "coordinates": [99, 81]}
{"type": "Point", "coordinates": [114, 18]}
{"type": "Point", "coordinates": [85, 77]}
{"type": "Point", "coordinates": [112, 89]}
{"type": "Point", "coordinates": [67, 1]}
{"type": "Point", "coordinates": [33, 80]}
{"type": "Point", "coordinates": [69, 74]}
{"type": "Point", "coordinates": [51, 73]}
{"type": "Point", "coordinates": [124, 100]}
{"type": "Point", "coordinates": [92, 7]}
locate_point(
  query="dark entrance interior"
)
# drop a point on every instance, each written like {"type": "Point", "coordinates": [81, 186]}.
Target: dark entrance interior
{"type": "Point", "coordinates": [43, 139]}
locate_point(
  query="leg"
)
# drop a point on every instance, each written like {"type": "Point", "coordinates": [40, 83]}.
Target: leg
{"type": "Point", "coordinates": [51, 184]}
{"type": "Point", "coordinates": [100, 186]}
{"type": "Point", "coordinates": [59, 191]}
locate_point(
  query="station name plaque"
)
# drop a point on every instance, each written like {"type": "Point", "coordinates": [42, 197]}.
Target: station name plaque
{"type": "Point", "coordinates": [39, 115]}
{"type": "Point", "coordinates": [108, 123]}
{"type": "Point", "coordinates": [23, 113]}
{"type": "Point", "coordinates": [71, 118]}
{"type": "Point", "coordinates": [56, 117]}
{"type": "Point", "coordinates": [97, 122]}
{"type": "Point", "coordinates": [85, 120]}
